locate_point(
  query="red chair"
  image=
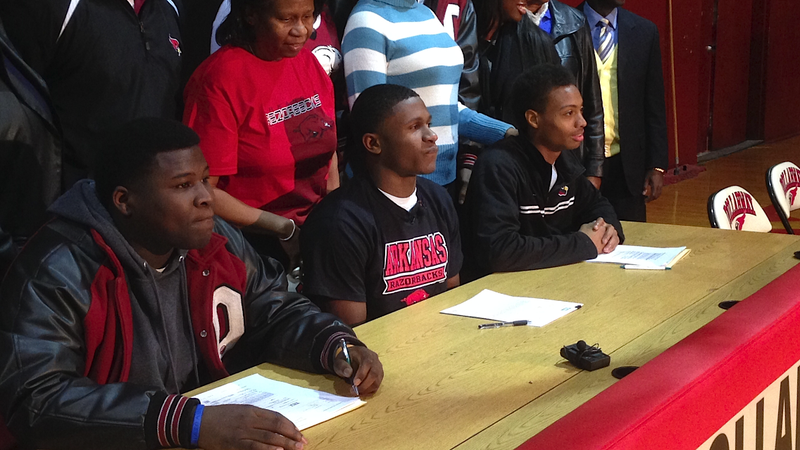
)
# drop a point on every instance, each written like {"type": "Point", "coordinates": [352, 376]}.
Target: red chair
{"type": "Point", "coordinates": [783, 181]}
{"type": "Point", "coordinates": [733, 208]}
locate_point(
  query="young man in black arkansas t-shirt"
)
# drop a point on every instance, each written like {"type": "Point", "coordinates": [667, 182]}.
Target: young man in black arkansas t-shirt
{"type": "Point", "coordinates": [387, 239]}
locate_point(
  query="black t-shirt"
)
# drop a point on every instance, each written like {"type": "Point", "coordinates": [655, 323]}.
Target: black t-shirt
{"type": "Point", "coordinates": [360, 246]}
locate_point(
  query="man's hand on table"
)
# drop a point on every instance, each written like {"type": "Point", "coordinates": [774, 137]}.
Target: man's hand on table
{"type": "Point", "coordinates": [367, 366]}
{"type": "Point", "coordinates": [232, 427]}
{"type": "Point", "coordinates": [603, 235]}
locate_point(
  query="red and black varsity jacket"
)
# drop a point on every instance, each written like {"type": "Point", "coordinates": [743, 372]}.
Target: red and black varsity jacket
{"type": "Point", "coordinates": [66, 332]}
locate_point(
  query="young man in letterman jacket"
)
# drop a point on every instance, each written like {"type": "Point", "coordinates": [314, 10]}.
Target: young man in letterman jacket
{"type": "Point", "coordinates": [528, 206]}
{"type": "Point", "coordinates": [135, 293]}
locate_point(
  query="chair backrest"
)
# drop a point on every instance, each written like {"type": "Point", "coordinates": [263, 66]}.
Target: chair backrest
{"type": "Point", "coordinates": [783, 185]}
{"type": "Point", "coordinates": [733, 208]}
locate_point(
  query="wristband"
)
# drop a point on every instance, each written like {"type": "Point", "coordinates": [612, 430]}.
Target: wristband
{"type": "Point", "coordinates": [659, 169]}
{"type": "Point", "coordinates": [294, 228]}
{"type": "Point", "coordinates": [198, 416]}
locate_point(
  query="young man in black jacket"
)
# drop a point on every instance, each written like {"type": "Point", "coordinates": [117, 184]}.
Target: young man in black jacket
{"type": "Point", "coordinates": [133, 294]}
{"type": "Point", "coordinates": [529, 205]}
{"type": "Point", "coordinates": [573, 41]}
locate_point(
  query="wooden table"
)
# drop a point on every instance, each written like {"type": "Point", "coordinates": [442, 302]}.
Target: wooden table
{"type": "Point", "coordinates": [449, 385]}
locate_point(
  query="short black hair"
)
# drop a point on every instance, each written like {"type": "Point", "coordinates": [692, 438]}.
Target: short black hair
{"type": "Point", "coordinates": [370, 110]}
{"type": "Point", "coordinates": [129, 151]}
{"type": "Point", "coordinates": [531, 89]}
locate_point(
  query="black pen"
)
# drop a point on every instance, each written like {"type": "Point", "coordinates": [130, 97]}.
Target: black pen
{"type": "Point", "coordinates": [346, 353]}
{"type": "Point", "coordinates": [516, 323]}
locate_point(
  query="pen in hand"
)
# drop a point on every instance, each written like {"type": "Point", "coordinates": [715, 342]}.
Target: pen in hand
{"type": "Point", "coordinates": [515, 323]}
{"type": "Point", "coordinates": [346, 354]}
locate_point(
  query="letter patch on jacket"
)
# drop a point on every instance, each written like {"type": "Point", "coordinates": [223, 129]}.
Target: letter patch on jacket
{"type": "Point", "coordinates": [415, 263]}
{"type": "Point", "coordinates": [228, 318]}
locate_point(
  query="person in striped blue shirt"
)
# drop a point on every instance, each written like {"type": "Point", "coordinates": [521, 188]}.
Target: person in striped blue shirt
{"type": "Point", "coordinates": [402, 42]}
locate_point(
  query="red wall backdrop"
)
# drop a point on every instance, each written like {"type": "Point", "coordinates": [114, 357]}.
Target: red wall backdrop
{"type": "Point", "coordinates": [731, 73]}
{"type": "Point", "coordinates": [684, 106]}
{"type": "Point", "coordinates": [782, 69]}
{"type": "Point", "coordinates": [684, 53]}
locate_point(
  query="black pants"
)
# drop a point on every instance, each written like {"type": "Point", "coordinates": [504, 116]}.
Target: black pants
{"type": "Point", "coordinates": [627, 205]}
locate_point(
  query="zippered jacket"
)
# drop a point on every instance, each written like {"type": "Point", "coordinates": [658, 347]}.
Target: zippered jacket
{"type": "Point", "coordinates": [512, 221]}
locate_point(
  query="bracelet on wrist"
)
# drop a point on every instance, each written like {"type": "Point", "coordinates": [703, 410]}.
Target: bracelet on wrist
{"type": "Point", "coordinates": [198, 417]}
{"type": "Point", "coordinates": [659, 169]}
{"type": "Point", "coordinates": [291, 235]}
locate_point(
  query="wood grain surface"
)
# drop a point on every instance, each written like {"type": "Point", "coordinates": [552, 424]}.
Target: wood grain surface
{"type": "Point", "coordinates": [450, 385]}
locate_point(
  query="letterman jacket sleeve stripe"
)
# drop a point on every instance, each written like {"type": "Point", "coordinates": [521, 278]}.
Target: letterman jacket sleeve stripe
{"type": "Point", "coordinates": [169, 421]}
{"type": "Point", "coordinates": [176, 416]}
{"type": "Point", "coordinates": [162, 420]}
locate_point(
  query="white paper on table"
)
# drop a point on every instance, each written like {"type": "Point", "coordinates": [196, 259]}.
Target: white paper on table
{"type": "Point", "coordinates": [304, 407]}
{"type": "Point", "coordinates": [492, 305]}
{"type": "Point", "coordinates": [640, 256]}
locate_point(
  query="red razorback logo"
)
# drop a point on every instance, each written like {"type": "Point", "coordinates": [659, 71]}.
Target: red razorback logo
{"type": "Point", "coordinates": [313, 127]}
{"type": "Point", "coordinates": [176, 45]}
{"type": "Point", "coordinates": [416, 297]}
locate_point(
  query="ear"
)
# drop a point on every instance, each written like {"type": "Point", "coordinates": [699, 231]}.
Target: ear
{"type": "Point", "coordinates": [372, 143]}
{"type": "Point", "coordinates": [120, 198]}
{"type": "Point", "coordinates": [250, 15]}
{"type": "Point", "coordinates": [532, 117]}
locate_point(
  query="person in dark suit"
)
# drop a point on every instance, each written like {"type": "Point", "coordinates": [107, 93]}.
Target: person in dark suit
{"type": "Point", "coordinates": [629, 66]}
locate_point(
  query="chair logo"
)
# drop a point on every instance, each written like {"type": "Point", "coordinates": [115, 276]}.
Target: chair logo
{"type": "Point", "coordinates": [736, 207]}
{"type": "Point", "coordinates": [790, 181]}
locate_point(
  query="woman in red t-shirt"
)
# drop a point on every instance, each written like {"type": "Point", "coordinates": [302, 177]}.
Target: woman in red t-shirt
{"type": "Point", "coordinates": [264, 109]}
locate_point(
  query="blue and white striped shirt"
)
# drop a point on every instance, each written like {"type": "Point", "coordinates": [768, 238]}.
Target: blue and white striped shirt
{"type": "Point", "coordinates": [402, 42]}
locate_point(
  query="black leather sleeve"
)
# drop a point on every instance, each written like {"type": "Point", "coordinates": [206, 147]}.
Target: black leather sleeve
{"type": "Point", "coordinates": [469, 89]}
{"type": "Point", "coordinates": [7, 252]}
{"type": "Point", "coordinates": [45, 399]}
{"type": "Point", "coordinates": [594, 134]}
{"type": "Point", "coordinates": [280, 327]}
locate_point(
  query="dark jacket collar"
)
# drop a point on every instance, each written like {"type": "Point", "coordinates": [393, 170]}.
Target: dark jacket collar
{"type": "Point", "coordinates": [568, 165]}
{"type": "Point", "coordinates": [566, 19]}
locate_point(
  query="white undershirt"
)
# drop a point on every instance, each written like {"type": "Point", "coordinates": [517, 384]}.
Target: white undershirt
{"type": "Point", "coordinates": [537, 16]}
{"type": "Point", "coordinates": [553, 176]}
{"type": "Point", "coordinates": [404, 202]}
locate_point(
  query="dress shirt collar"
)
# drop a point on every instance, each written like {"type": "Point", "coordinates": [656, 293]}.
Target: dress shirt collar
{"type": "Point", "coordinates": [593, 16]}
